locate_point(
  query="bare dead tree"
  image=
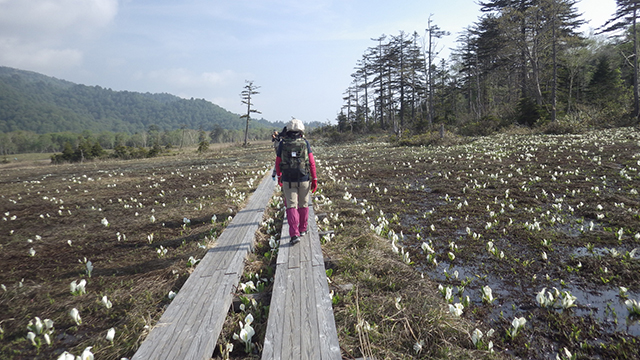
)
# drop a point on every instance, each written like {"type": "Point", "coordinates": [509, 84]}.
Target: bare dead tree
{"type": "Point", "coordinates": [247, 93]}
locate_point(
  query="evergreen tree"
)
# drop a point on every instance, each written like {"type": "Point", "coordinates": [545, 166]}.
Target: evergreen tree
{"type": "Point", "coordinates": [97, 151]}
{"type": "Point", "coordinates": [606, 89]}
{"type": "Point", "coordinates": [626, 16]}
{"type": "Point", "coordinates": [68, 152]}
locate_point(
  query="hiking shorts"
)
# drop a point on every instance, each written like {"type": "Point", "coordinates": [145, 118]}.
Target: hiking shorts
{"type": "Point", "coordinates": [296, 194]}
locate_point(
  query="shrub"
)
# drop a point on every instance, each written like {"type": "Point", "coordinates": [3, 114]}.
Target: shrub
{"type": "Point", "coordinates": [570, 124]}
{"type": "Point", "coordinates": [428, 139]}
{"type": "Point", "coordinates": [487, 125]}
{"type": "Point", "coordinates": [121, 152]}
{"type": "Point", "coordinates": [155, 150]}
{"type": "Point", "coordinates": [84, 151]}
{"type": "Point", "coordinates": [138, 153]}
{"type": "Point", "coordinates": [335, 137]}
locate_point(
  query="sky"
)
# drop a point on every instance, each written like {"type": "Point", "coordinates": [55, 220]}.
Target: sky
{"type": "Point", "coordinates": [301, 53]}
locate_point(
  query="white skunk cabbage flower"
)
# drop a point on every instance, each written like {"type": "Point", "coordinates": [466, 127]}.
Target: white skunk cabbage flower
{"type": "Point", "coordinates": [75, 315]}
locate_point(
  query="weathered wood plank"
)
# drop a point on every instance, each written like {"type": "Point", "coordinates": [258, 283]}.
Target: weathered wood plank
{"type": "Point", "coordinates": [301, 324]}
{"type": "Point", "coordinates": [329, 345]}
{"type": "Point", "coordinates": [316, 252]}
{"type": "Point", "coordinates": [289, 329]}
{"type": "Point", "coordinates": [191, 333]}
{"type": "Point", "coordinates": [283, 249]}
{"type": "Point", "coordinates": [296, 312]}
{"type": "Point", "coordinates": [275, 325]}
{"type": "Point", "coordinates": [309, 330]}
{"type": "Point", "coordinates": [179, 312]}
{"type": "Point", "coordinates": [294, 254]}
{"type": "Point", "coordinates": [228, 286]}
{"type": "Point", "coordinates": [202, 340]}
{"type": "Point", "coordinates": [174, 319]}
{"type": "Point", "coordinates": [305, 248]}
{"type": "Point", "coordinates": [327, 332]}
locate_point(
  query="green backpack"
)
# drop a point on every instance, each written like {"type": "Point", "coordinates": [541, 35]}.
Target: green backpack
{"type": "Point", "coordinates": [294, 156]}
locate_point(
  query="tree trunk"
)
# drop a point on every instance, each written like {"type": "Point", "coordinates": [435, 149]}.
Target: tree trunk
{"type": "Point", "coordinates": [555, 64]}
{"type": "Point", "coordinates": [246, 130]}
{"type": "Point", "coordinates": [636, 104]}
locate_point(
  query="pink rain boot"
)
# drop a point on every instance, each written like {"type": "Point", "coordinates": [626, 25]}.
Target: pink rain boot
{"type": "Point", "coordinates": [294, 220]}
{"type": "Point", "coordinates": [303, 214]}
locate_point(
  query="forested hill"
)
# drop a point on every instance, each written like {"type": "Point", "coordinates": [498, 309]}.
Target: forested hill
{"type": "Point", "coordinates": [42, 104]}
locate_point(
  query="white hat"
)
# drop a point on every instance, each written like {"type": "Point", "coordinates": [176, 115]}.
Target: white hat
{"type": "Point", "coordinates": [295, 125]}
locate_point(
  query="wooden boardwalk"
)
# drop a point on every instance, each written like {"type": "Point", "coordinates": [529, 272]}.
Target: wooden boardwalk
{"type": "Point", "coordinates": [191, 324]}
{"type": "Point", "coordinates": [301, 324]}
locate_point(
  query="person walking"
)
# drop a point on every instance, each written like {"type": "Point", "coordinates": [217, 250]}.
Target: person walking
{"type": "Point", "coordinates": [275, 139]}
{"type": "Point", "coordinates": [296, 171]}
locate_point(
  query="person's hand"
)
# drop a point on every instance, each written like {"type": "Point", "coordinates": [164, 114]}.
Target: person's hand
{"type": "Point", "coordinates": [314, 185]}
{"type": "Point", "coordinates": [280, 180]}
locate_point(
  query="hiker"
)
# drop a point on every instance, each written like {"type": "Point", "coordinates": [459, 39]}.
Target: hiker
{"type": "Point", "coordinates": [296, 170]}
{"type": "Point", "coordinates": [275, 139]}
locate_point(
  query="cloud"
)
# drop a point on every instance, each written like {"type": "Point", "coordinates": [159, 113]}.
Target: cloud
{"type": "Point", "coordinates": [185, 79]}
{"type": "Point", "coordinates": [29, 56]}
{"type": "Point", "coordinates": [222, 87]}
{"type": "Point", "coordinates": [38, 19]}
{"type": "Point", "coordinates": [45, 35]}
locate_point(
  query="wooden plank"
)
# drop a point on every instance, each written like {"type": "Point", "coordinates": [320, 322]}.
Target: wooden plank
{"type": "Point", "coordinates": [309, 330]}
{"type": "Point", "coordinates": [172, 316]}
{"type": "Point", "coordinates": [294, 254]}
{"type": "Point", "coordinates": [329, 345]}
{"type": "Point", "coordinates": [235, 237]}
{"type": "Point", "coordinates": [227, 239]}
{"type": "Point", "coordinates": [328, 335]}
{"type": "Point", "coordinates": [203, 342]}
{"type": "Point", "coordinates": [218, 257]}
{"type": "Point", "coordinates": [291, 329]}
{"type": "Point", "coordinates": [244, 246]}
{"type": "Point", "coordinates": [228, 287]}
{"type": "Point", "coordinates": [169, 329]}
{"type": "Point", "coordinates": [316, 253]}
{"type": "Point", "coordinates": [194, 332]}
{"type": "Point", "coordinates": [275, 324]}
{"type": "Point", "coordinates": [236, 263]}
{"type": "Point", "coordinates": [182, 314]}
{"type": "Point", "coordinates": [283, 248]}
{"type": "Point", "coordinates": [187, 334]}
{"type": "Point", "coordinates": [274, 337]}
{"type": "Point", "coordinates": [305, 247]}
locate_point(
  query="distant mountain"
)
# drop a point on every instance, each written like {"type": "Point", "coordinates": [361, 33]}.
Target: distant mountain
{"type": "Point", "coordinates": [42, 104]}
